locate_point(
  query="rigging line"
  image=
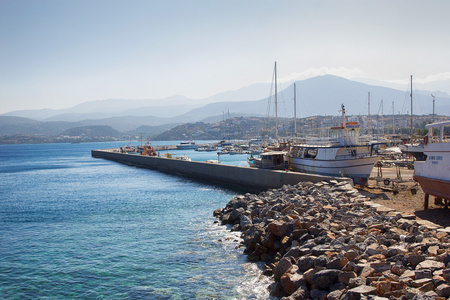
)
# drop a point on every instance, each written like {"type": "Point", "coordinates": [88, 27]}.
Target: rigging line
{"type": "Point", "coordinates": [282, 120]}
{"type": "Point", "coordinates": [269, 101]}
{"type": "Point", "coordinates": [379, 108]}
{"type": "Point", "coordinates": [418, 100]}
{"type": "Point", "coordinates": [407, 100]}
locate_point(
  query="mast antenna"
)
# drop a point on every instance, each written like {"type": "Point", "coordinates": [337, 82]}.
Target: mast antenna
{"type": "Point", "coordinates": [411, 129]}
{"type": "Point", "coordinates": [295, 111]}
{"type": "Point", "coordinates": [433, 106]}
{"type": "Point", "coordinates": [276, 103]}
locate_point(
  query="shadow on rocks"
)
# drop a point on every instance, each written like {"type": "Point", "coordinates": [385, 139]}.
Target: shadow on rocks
{"type": "Point", "coordinates": [439, 216]}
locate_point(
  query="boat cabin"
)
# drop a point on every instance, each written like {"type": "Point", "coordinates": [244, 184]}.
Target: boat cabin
{"type": "Point", "coordinates": [346, 135]}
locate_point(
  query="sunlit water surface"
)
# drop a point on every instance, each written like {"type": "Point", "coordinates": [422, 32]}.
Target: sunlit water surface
{"type": "Point", "coordinates": [72, 226]}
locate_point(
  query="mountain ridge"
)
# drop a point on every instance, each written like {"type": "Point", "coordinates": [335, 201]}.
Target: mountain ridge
{"type": "Point", "coordinates": [321, 95]}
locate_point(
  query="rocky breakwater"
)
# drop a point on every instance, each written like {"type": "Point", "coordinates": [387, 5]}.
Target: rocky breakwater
{"type": "Point", "coordinates": [327, 241]}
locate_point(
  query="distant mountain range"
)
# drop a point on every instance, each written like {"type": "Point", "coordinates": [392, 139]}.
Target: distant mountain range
{"type": "Point", "coordinates": [322, 95]}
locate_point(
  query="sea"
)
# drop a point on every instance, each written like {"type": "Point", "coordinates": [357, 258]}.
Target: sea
{"type": "Point", "coordinates": [72, 226]}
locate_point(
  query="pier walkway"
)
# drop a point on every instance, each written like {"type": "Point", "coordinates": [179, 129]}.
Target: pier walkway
{"type": "Point", "coordinates": [243, 178]}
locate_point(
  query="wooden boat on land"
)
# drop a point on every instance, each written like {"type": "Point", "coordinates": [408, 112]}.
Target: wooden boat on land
{"type": "Point", "coordinates": [433, 174]}
{"type": "Point", "coordinates": [342, 155]}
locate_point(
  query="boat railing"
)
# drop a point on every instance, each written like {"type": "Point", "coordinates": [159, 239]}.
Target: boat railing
{"type": "Point", "coordinates": [351, 156]}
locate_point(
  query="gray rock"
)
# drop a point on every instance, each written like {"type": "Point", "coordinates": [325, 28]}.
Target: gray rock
{"type": "Point", "coordinates": [362, 290]}
{"type": "Point", "coordinates": [354, 282]}
{"type": "Point", "coordinates": [422, 296]}
{"type": "Point", "coordinates": [245, 221]}
{"type": "Point", "coordinates": [430, 264]}
{"type": "Point", "coordinates": [443, 290]}
{"type": "Point", "coordinates": [321, 261]}
{"type": "Point", "coordinates": [335, 295]}
{"type": "Point", "coordinates": [301, 293]}
{"type": "Point", "coordinates": [337, 263]}
{"type": "Point", "coordinates": [423, 273]}
{"type": "Point", "coordinates": [282, 267]}
{"type": "Point", "coordinates": [321, 249]}
{"type": "Point", "coordinates": [253, 236]}
{"type": "Point", "coordinates": [318, 294]}
{"type": "Point", "coordinates": [291, 281]}
{"type": "Point", "coordinates": [415, 259]}
{"type": "Point", "coordinates": [294, 252]}
{"type": "Point", "coordinates": [322, 280]}
{"type": "Point", "coordinates": [306, 262]}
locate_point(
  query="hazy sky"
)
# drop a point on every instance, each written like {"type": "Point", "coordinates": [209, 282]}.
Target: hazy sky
{"type": "Point", "coordinates": [55, 54]}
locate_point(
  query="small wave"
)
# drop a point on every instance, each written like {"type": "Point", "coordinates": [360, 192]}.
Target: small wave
{"type": "Point", "coordinates": [255, 285]}
{"type": "Point", "coordinates": [20, 169]}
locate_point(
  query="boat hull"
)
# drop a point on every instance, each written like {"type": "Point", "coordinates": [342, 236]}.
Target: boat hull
{"type": "Point", "coordinates": [358, 169]}
{"type": "Point", "coordinates": [436, 187]}
{"type": "Point", "coordinates": [416, 151]}
{"type": "Point", "coordinates": [187, 147]}
{"type": "Point", "coordinates": [433, 175]}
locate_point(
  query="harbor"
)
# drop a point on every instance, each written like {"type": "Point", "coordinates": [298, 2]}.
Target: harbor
{"type": "Point", "coordinates": [244, 178]}
{"type": "Point", "coordinates": [344, 157]}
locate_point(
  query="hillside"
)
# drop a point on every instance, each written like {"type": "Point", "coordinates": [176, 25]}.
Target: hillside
{"type": "Point", "coordinates": [233, 128]}
{"type": "Point", "coordinates": [321, 95]}
{"type": "Point", "coordinates": [91, 132]}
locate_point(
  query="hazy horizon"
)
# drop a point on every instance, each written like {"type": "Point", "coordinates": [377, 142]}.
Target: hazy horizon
{"type": "Point", "coordinates": [57, 54]}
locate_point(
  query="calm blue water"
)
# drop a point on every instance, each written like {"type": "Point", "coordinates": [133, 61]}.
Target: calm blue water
{"type": "Point", "coordinates": [72, 226]}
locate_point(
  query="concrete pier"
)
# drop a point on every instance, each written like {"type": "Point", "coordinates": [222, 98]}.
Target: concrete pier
{"type": "Point", "coordinates": [244, 178]}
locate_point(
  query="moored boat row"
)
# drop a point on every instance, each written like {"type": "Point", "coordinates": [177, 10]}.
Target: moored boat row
{"type": "Point", "coordinates": [343, 154]}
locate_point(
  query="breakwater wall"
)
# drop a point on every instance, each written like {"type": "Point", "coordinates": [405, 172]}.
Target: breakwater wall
{"type": "Point", "coordinates": [250, 179]}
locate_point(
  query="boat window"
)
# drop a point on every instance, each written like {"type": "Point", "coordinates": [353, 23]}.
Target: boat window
{"type": "Point", "coordinates": [311, 153]}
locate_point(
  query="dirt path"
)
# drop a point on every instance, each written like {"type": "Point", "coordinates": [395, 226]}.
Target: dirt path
{"type": "Point", "coordinates": [409, 199]}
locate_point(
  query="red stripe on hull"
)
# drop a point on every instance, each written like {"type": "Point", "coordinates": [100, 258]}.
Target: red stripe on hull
{"type": "Point", "coordinates": [436, 187]}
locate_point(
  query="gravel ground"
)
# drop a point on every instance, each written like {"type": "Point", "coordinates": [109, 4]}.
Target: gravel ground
{"type": "Point", "coordinates": [405, 200]}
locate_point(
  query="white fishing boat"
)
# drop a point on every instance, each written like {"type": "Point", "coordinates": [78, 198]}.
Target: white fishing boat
{"type": "Point", "coordinates": [341, 155]}
{"type": "Point", "coordinates": [187, 145]}
{"type": "Point", "coordinates": [433, 174]}
{"type": "Point", "coordinates": [271, 155]}
{"type": "Point", "coordinates": [415, 150]}
{"type": "Point", "coordinates": [268, 160]}
{"type": "Point", "coordinates": [207, 148]}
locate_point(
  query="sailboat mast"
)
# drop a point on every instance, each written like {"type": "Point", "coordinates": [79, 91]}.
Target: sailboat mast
{"type": "Point", "coordinates": [295, 111]}
{"type": "Point", "coordinates": [411, 128]}
{"type": "Point", "coordinates": [382, 118]}
{"type": "Point", "coordinates": [393, 119]}
{"type": "Point", "coordinates": [433, 106]}
{"type": "Point", "coordinates": [276, 104]}
{"type": "Point", "coordinates": [368, 121]}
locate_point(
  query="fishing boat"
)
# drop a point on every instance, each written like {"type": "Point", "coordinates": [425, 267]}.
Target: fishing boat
{"type": "Point", "coordinates": [272, 156]}
{"type": "Point", "coordinates": [268, 160]}
{"type": "Point", "coordinates": [415, 150]}
{"type": "Point", "coordinates": [187, 145]}
{"type": "Point", "coordinates": [341, 155]}
{"type": "Point", "coordinates": [207, 148]}
{"type": "Point", "coordinates": [433, 174]}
